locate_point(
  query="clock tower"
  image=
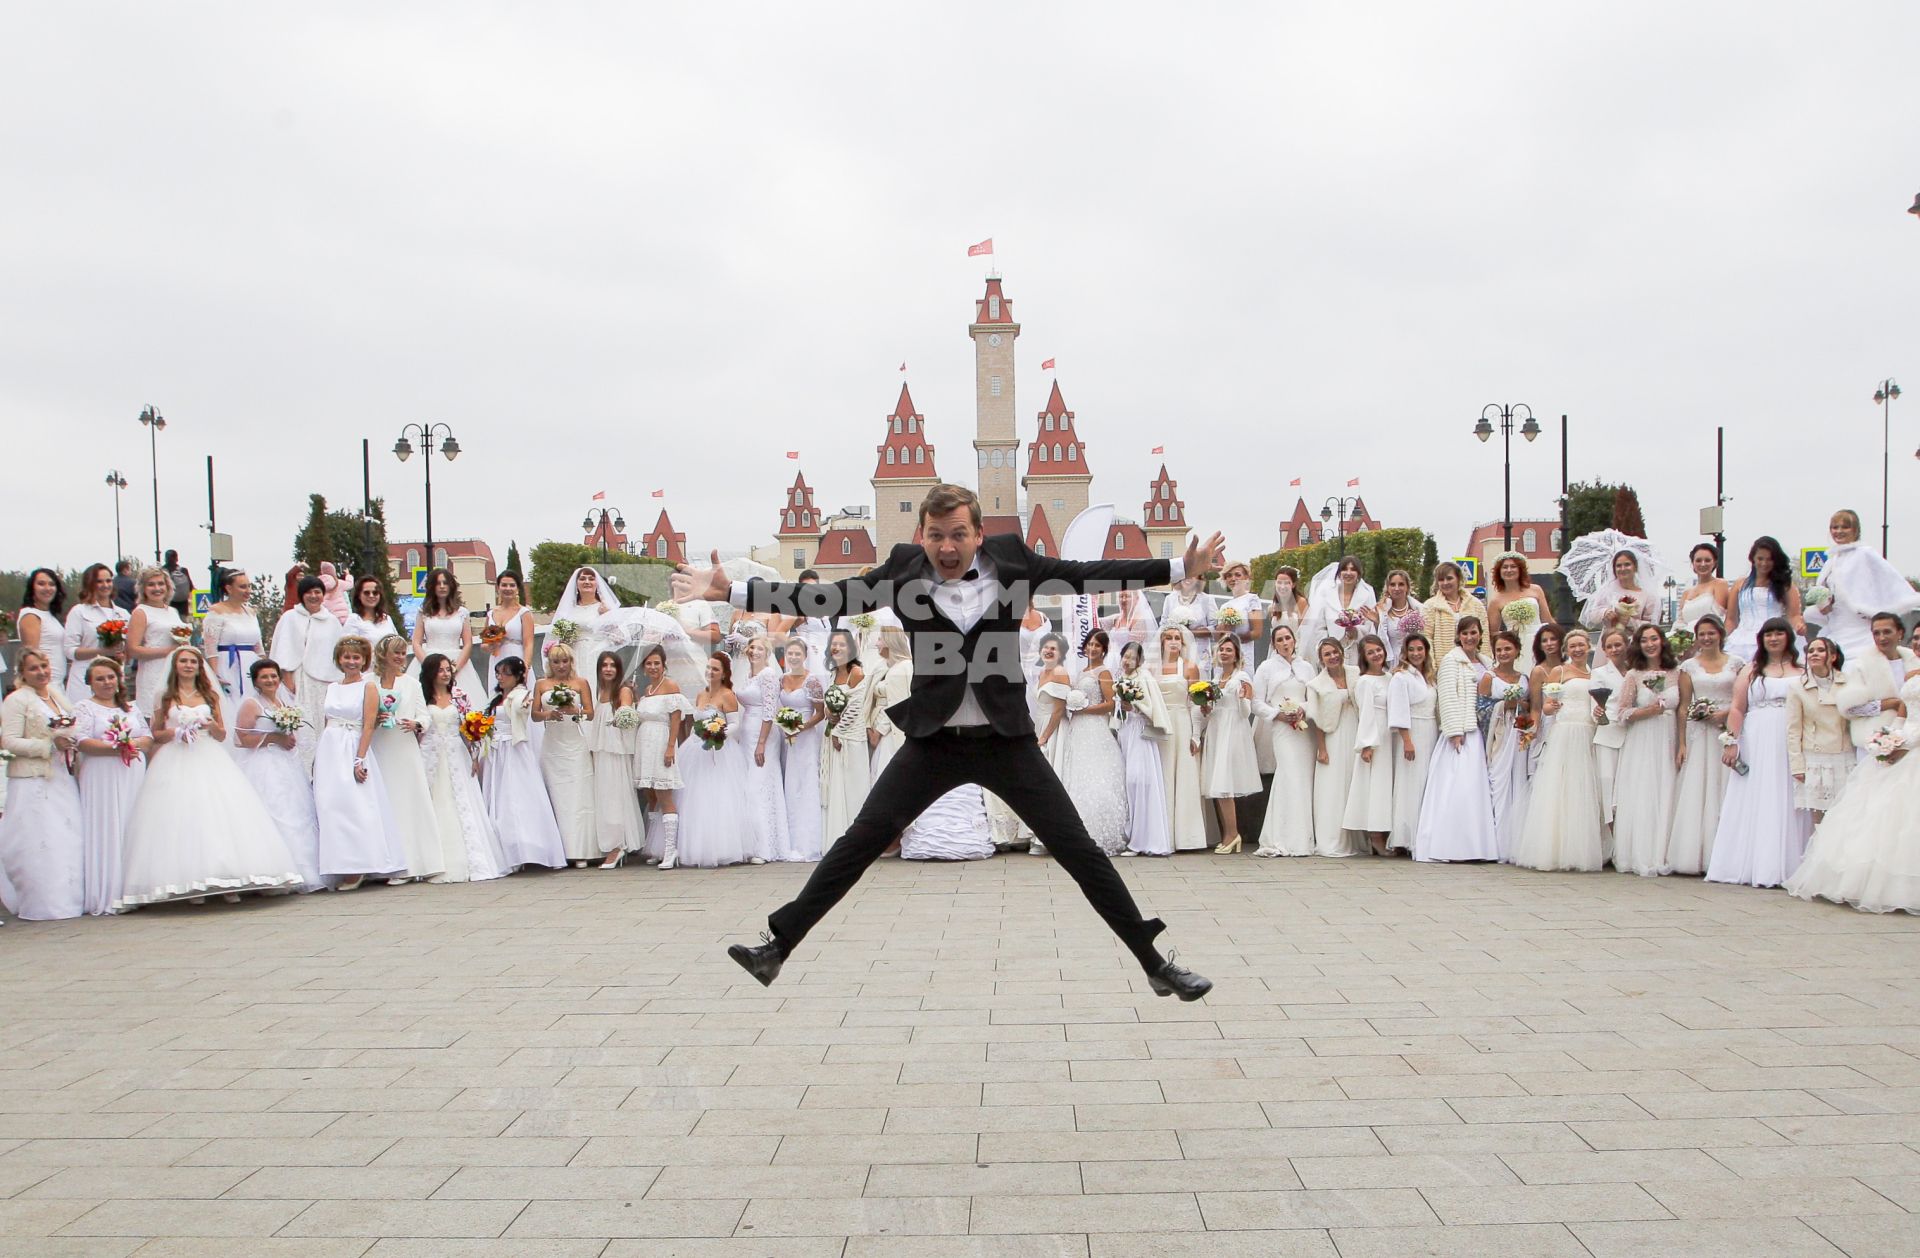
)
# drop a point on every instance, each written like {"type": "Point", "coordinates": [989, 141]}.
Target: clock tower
{"type": "Point", "coordinates": [995, 442]}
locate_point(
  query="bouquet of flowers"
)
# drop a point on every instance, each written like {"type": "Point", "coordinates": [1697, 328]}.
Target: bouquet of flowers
{"type": "Point", "coordinates": [1680, 639]}
{"type": "Point", "coordinates": [565, 700]}
{"type": "Point", "coordinates": [565, 632]}
{"type": "Point", "coordinates": [477, 729]}
{"type": "Point", "coordinates": [492, 636]}
{"type": "Point", "coordinates": [182, 634]}
{"type": "Point", "coordinates": [789, 720]}
{"type": "Point", "coordinates": [1886, 744]}
{"type": "Point", "coordinates": [188, 730]}
{"type": "Point", "coordinates": [668, 608]}
{"type": "Point", "coordinates": [1229, 618]}
{"type": "Point", "coordinates": [1290, 711]}
{"type": "Point", "coordinates": [1130, 692]}
{"type": "Point", "coordinates": [1523, 724]}
{"type": "Point", "coordinates": [1412, 620]}
{"type": "Point", "coordinates": [712, 729]}
{"type": "Point", "coordinates": [837, 699]}
{"type": "Point", "coordinates": [864, 621]}
{"type": "Point", "coordinates": [287, 719]}
{"type": "Point", "coordinates": [626, 720]}
{"type": "Point", "coordinates": [1701, 710]}
{"type": "Point", "coordinates": [1513, 694]}
{"type": "Point", "coordinates": [111, 633]}
{"type": "Point", "coordinates": [1180, 616]}
{"type": "Point", "coordinates": [1520, 613]}
{"type": "Point", "coordinates": [1552, 691]}
{"type": "Point", "coordinates": [1628, 606]}
{"type": "Point", "coordinates": [389, 703]}
{"type": "Point", "coordinates": [1656, 682]}
{"type": "Point", "coordinates": [1203, 693]}
{"type": "Point", "coordinates": [1350, 620]}
{"type": "Point", "coordinates": [1817, 596]}
{"type": "Point", "coordinates": [120, 737]}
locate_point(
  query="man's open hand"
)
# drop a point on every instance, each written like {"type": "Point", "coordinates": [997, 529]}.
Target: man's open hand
{"type": "Point", "coordinates": [1205, 556]}
{"type": "Point", "coordinates": [700, 585]}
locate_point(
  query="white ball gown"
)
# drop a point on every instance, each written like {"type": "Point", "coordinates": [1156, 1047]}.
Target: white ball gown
{"type": "Point", "coordinates": [1762, 836]}
{"type": "Point", "coordinates": [1280, 684]}
{"type": "Point", "coordinates": [1369, 805]}
{"type": "Point", "coordinates": [955, 827]}
{"type": "Point", "coordinates": [1867, 850]}
{"type": "Point", "coordinates": [1702, 786]}
{"type": "Point", "coordinates": [1507, 764]}
{"type": "Point", "coordinates": [441, 635]}
{"type": "Point", "coordinates": [107, 791]}
{"type": "Point", "coordinates": [150, 676]}
{"type": "Point", "coordinates": [716, 818]}
{"type": "Point", "coordinates": [41, 845]}
{"type": "Point", "coordinates": [1331, 706]}
{"type": "Point", "coordinates": [1456, 813]}
{"type": "Point", "coordinates": [403, 775]}
{"type": "Point", "coordinates": [1411, 707]}
{"type": "Point", "coordinates": [281, 782]}
{"type": "Point", "coordinates": [469, 847]}
{"type": "Point", "coordinates": [1096, 776]}
{"type": "Point", "coordinates": [1229, 766]}
{"type": "Point", "coordinates": [358, 835]}
{"type": "Point", "coordinates": [616, 806]}
{"type": "Point", "coordinates": [515, 793]}
{"type": "Point", "coordinates": [1566, 826]}
{"type": "Point", "coordinates": [199, 827]}
{"type": "Point", "coordinates": [566, 765]}
{"type": "Point", "coordinates": [1051, 697]}
{"type": "Point", "coordinates": [1143, 738]}
{"type": "Point", "coordinates": [800, 772]}
{"type": "Point", "coordinates": [1645, 778]}
{"type": "Point", "coordinates": [1185, 805]}
{"type": "Point", "coordinates": [759, 697]}
{"type": "Point", "coordinates": [232, 641]}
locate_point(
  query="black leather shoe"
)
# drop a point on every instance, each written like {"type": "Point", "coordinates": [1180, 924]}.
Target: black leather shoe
{"type": "Point", "coordinates": [1168, 979]}
{"type": "Point", "coordinates": [764, 959]}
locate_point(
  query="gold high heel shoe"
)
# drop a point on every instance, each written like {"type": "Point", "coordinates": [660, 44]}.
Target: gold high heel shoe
{"type": "Point", "coordinates": [1228, 847]}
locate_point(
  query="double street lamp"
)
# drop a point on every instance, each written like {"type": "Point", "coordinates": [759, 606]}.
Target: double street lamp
{"type": "Point", "coordinates": [1335, 512]}
{"type": "Point", "coordinates": [1883, 398]}
{"type": "Point", "coordinates": [403, 450]}
{"type": "Point", "coordinates": [597, 518]}
{"type": "Point", "coordinates": [152, 421]}
{"type": "Point", "coordinates": [1529, 429]}
{"type": "Point", "coordinates": [116, 483]}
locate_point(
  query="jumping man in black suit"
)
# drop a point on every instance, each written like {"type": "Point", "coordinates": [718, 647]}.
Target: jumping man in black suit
{"type": "Point", "coordinates": [961, 598]}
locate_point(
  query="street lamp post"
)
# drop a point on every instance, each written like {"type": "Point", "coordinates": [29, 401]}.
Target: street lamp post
{"type": "Point", "coordinates": [1528, 429]}
{"type": "Point", "coordinates": [1883, 397]}
{"type": "Point", "coordinates": [597, 518]}
{"type": "Point", "coordinates": [153, 422]}
{"type": "Point", "coordinates": [1336, 510]}
{"type": "Point", "coordinates": [449, 446]}
{"type": "Point", "coordinates": [116, 482]}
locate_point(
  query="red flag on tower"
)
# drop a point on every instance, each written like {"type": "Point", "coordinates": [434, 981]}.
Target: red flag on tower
{"type": "Point", "coordinates": [659, 493]}
{"type": "Point", "coordinates": [1294, 483]}
{"type": "Point", "coordinates": [1354, 483]}
{"type": "Point", "coordinates": [1159, 450]}
{"type": "Point", "coordinates": [793, 454]}
{"type": "Point", "coordinates": [597, 497]}
{"type": "Point", "coordinates": [1047, 365]}
{"type": "Point", "coordinates": [903, 366]}
{"type": "Point", "coordinates": [985, 246]}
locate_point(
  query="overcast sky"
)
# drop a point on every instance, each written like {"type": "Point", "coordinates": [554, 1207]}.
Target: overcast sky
{"type": "Point", "coordinates": [629, 248]}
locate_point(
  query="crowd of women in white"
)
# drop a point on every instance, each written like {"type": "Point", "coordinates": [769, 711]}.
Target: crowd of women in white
{"type": "Point", "coordinates": [1376, 723]}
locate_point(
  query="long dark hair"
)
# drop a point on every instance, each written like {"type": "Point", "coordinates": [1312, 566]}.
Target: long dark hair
{"type": "Point", "coordinates": [513, 667]}
{"type": "Point", "coordinates": [1539, 650]}
{"type": "Point", "coordinates": [1637, 655]}
{"type": "Point", "coordinates": [432, 603]}
{"type": "Point", "coordinates": [1781, 577]}
{"type": "Point", "coordinates": [600, 688]}
{"type": "Point", "coordinates": [853, 649]}
{"type": "Point", "coordinates": [1762, 657]}
{"type": "Point", "coordinates": [59, 605]}
{"type": "Point", "coordinates": [430, 675]}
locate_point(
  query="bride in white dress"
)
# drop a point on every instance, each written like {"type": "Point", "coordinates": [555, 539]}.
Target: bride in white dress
{"type": "Point", "coordinates": [1762, 836]}
{"type": "Point", "coordinates": [563, 701]}
{"type": "Point", "coordinates": [469, 847]}
{"type": "Point", "coordinates": [1765, 592]}
{"type": "Point", "coordinates": [801, 690]}
{"type": "Point", "coordinates": [1142, 729]}
{"type": "Point", "coordinates": [198, 827]}
{"type": "Point", "coordinates": [1565, 826]}
{"type": "Point", "coordinates": [759, 695]}
{"type": "Point", "coordinates": [443, 628]}
{"type": "Point", "coordinates": [1229, 767]}
{"type": "Point", "coordinates": [396, 749]}
{"type": "Point", "coordinates": [1413, 724]}
{"type": "Point", "coordinates": [1054, 698]}
{"type": "Point", "coordinates": [266, 755]}
{"type": "Point", "coordinates": [1860, 584]}
{"type": "Point", "coordinates": [1504, 691]}
{"type": "Point", "coordinates": [41, 845]}
{"type": "Point", "coordinates": [1711, 676]}
{"type": "Point", "coordinates": [1516, 602]}
{"type": "Point", "coordinates": [587, 603]}
{"type": "Point", "coordinates": [1283, 740]}
{"type": "Point", "coordinates": [716, 818]}
{"type": "Point", "coordinates": [510, 781]}
{"type": "Point", "coordinates": [1369, 805]}
{"type": "Point", "coordinates": [1456, 814]}
{"type": "Point", "coordinates": [154, 632]}
{"type": "Point", "coordinates": [304, 639]}
{"type": "Point", "coordinates": [1343, 607]}
{"type": "Point", "coordinates": [1709, 595]}
{"type": "Point", "coordinates": [1651, 703]}
{"type": "Point", "coordinates": [1867, 850]}
{"type": "Point", "coordinates": [358, 836]}
{"type": "Point", "coordinates": [1096, 777]}
{"type": "Point", "coordinates": [230, 637]}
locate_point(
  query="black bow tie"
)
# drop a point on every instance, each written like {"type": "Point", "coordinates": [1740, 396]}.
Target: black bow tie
{"type": "Point", "coordinates": [973, 574]}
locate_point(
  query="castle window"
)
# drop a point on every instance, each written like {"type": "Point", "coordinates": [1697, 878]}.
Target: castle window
{"type": "Point", "coordinates": [906, 508]}
{"type": "Point", "coordinates": [1166, 550]}
{"type": "Point", "coordinates": [846, 545]}
{"type": "Point", "coordinates": [440, 557]}
{"type": "Point", "coordinates": [789, 519]}
{"type": "Point", "coordinates": [1166, 491]}
{"type": "Point", "coordinates": [1071, 455]}
{"type": "Point", "coordinates": [993, 386]}
{"type": "Point", "coordinates": [1306, 535]}
{"type": "Point", "coordinates": [1039, 548]}
{"type": "Point", "coordinates": [983, 457]}
{"type": "Point", "coordinates": [1529, 540]}
{"type": "Point", "coordinates": [660, 548]}
{"type": "Point", "coordinates": [799, 560]}
{"type": "Point", "coordinates": [1059, 504]}
{"type": "Point", "coordinates": [919, 454]}
{"type": "Point", "coordinates": [889, 455]}
{"type": "Point", "coordinates": [910, 425]}
{"type": "Point", "coordinates": [1046, 422]}
{"type": "Point", "coordinates": [1156, 512]}
{"type": "Point", "coordinates": [1557, 539]}
{"type": "Point", "coordinates": [999, 457]}
{"type": "Point", "coordinates": [1043, 454]}
{"type": "Point", "coordinates": [993, 307]}
{"type": "Point", "coordinates": [796, 498]}
{"type": "Point", "coordinates": [1056, 452]}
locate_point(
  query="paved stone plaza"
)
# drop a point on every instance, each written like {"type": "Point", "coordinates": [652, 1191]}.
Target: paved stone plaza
{"type": "Point", "coordinates": [1396, 1059]}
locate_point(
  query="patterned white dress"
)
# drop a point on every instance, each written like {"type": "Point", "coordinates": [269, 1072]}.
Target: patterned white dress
{"type": "Point", "coordinates": [469, 846]}
{"type": "Point", "coordinates": [1762, 836]}
{"type": "Point", "coordinates": [1565, 827]}
{"type": "Point", "coordinates": [1229, 766]}
{"type": "Point", "coordinates": [1096, 775]}
{"type": "Point", "coordinates": [1703, 779]}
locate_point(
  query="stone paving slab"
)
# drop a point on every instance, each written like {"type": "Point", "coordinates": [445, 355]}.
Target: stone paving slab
{"type": "Point", "coordinates": [1397, 1060]}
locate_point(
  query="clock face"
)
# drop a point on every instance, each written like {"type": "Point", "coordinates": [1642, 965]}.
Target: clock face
{"type": "Point", "coordinates": [993, 340]}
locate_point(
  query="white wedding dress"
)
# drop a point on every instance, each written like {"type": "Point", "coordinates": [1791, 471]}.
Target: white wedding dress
{"type": "Point", "coordinates": [759, 697]}
{"type": "Point", "coordinates": [800, 773]}
{"type": "Point", "coordinates": [358, 835]}
{"type": "Point", "coordinates": [716, 817]}
{"type": "Point", "coordinates": [150, 676]}
{"type": "Point", "coordinates": [1645, 778]}
{"type": "Point", "coordinates": [1762, 836]}
{"type": "Point", "coordinates": [514, 791]}
{"type": "Point", "coordinates": [1565, 827]}
{"type": "Point", "coordinates": [469, 846]}
{"type": "Point", "coordinates": [1867, 850]}
{"type": "Point", "coordinates": [440, 635]}
{"type": "Point", "coordinates": [1703, 778]}
{"type": "Point", "coordinates": [199, 828]}
{"type": "Point", "coordinates": [1096, 777]}
{"type": "Point", "coordinates": [281, 781]}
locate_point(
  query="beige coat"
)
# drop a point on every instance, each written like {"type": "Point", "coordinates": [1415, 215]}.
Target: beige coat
{"type": "Point", "coordinates": [24, 731]}
{"type": "Point", "coordinates": [1443, 622]}
{"type": "Point", "coordinates": [1815, 723]}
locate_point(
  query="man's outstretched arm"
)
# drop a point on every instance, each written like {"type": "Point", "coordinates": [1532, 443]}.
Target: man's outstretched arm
{"type": "Point", "coordinates": [847, 597]}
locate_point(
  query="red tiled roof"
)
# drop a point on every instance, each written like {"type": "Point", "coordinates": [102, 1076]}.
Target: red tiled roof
{"type": "Point", "coordinates": [676, 542]}
{"type": "Point", "coordinates": [1126, 541]}
{"type": "Point", "coordinates": [906, 443]}
{"type": "Point", "coordinates": [993, 524]}
{"type": "Point", "coordinates": [1040, 532]}
{"type": "Point", "coordinates": [1164, 493]}
{"type": "Point", "coordinates": [857, 548]}
{"type": "Point", "coordinates": [982, 308]}
{"type": "Point", "coordinates": [1058, 451]}
{"type": "Point", "coordinates": [798, 515]}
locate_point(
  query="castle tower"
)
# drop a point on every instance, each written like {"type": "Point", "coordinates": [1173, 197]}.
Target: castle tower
{"type": "Point", "coordinates": [1164, 517]}
{"type": "Point", "coordinates": [1057, 474]}
{"type": "Point", "coordinates": [799, 529]}
{"type": "Point", "coordinates": [902, 476]}
{"type": "Point", "coordinates": [996, 444]}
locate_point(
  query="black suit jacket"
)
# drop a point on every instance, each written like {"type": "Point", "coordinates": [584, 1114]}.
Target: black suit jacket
{"type": "Point", "coordinates": [945, 660]}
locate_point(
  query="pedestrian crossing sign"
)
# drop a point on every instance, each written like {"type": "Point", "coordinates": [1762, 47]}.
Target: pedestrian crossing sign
{"type": "Point", "coordinates": [420, 582]}
{"type": "Point", "coordinates": [1813, 561]}
{"type": "Point", "coordinates": [202, 599]}
{"type": "Point", "coordinates": [1469, 570]}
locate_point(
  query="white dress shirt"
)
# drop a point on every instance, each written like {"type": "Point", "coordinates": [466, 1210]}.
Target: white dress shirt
{"type": "Point", "coordinates": [963, 602]}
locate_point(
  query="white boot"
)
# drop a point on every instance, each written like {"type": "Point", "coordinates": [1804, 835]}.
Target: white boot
{"type": "Point", "coordinates": [670, 829]}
